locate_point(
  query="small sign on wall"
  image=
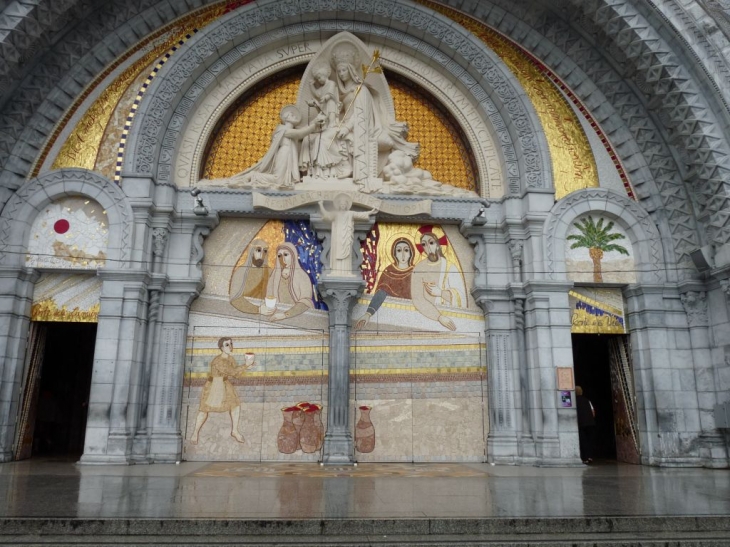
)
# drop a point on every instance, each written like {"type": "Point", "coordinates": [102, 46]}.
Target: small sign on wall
{"type": "Point", "coordinates": [566, 399]}
{"type": "Point", "coordinates": [565, 378]}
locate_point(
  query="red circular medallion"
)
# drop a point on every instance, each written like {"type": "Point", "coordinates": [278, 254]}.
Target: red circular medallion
{"type": "Point", "coordinates": [61, 226]}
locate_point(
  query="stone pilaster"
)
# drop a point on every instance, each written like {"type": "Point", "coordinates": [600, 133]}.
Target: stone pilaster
{"type": "Point", "coordinates": [548, 345]}
{"type": "Point", "coordinates": [16, 288]}
{"type": "Point", "coordinates": [118, 355]}
{"type": "Point", "coordinates": [340, 294]}
{"type": "Point", "coordinates": [502, 437]}
{"type": "Point", "coordinates": [163, 410]}
{"type": "Point", "coordinates": [666, 396]}
{"type": "Point", "coordinates": [712, 444]}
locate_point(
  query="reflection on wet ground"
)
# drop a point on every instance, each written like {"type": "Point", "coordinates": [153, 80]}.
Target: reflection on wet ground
{"type": "Point", "coordinates": [237, 490]}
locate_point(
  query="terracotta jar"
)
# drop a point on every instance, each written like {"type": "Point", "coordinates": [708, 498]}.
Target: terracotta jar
{"type": "Point", "coordinates": [309, 434]}
{"type": "Point", "coordinates": [288, 438]}
{"type": "Point", "coordinates": [365, 432]}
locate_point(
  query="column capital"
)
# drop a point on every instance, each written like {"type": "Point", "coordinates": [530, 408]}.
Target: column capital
{"type": "Point", "coordinates": [340, 294]}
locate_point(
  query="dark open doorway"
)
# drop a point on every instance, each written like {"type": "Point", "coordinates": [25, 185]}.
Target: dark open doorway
{"type": "Point", "coordinates": [603, 369]}
{"type": "Point", "coordinates": [592, 367]}
{"type": "Point", "coordinates": [56, 397]}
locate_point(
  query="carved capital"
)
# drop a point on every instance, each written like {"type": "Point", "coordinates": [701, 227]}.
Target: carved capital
{"type": "Point", "coordinates": [486, 305]}
{"type": "Point", "coordinates": [695, 306]}
{"type": "Point", "coordinates": [340, 296]}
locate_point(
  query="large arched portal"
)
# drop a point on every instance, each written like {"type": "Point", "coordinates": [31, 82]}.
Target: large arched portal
{"type": "Point", "coordinates": [371, 231]}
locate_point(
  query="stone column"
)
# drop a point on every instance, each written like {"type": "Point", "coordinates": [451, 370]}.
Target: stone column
{"type": "Point", "coordinates": [158, 281]}
{"type": "Point", "coordinates": [502, 437]}
{"type": "Point", "coordinates": [16, 288]}
{"type": "Point", "coordinates": [712, 444]}
{"type": "Point", "coordinates": [340, 294]}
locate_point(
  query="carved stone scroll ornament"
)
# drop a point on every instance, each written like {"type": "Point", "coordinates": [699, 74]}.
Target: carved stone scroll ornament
{"type": "Point", "coordinates": [695, 306]}
{"type": "Point", "coordinates": [197, 253]}
{"type": "Point", "coordinates": [353, 143]}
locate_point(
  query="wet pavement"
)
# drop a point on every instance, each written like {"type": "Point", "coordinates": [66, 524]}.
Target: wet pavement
{"type": "Point", "coordinates": [233, 490]}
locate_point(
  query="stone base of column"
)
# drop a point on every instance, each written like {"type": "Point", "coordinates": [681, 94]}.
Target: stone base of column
{"type": "Point", "coordinates": [141, 448]}
{"type": "Point", "coordinates": [338, 449]}
{"type": "Point", "coordinates": [6, 456]}
{"type": "Point", "coordinates": [671, 462]}
{"type": "Point", "coordinates": [104, 459]}
{"type": "Point", "coordinates": [165, 448]}
{"type": "Point", "coordinates": [714, 451]}
{"type": "Point", "coordinates": [502, 450]}
{"type": "Point", "coordinates": [119, 445]}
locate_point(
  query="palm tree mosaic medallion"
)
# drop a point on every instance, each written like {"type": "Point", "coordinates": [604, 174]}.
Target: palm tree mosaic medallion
{"type": "Point", "coordinates": [599, 239]}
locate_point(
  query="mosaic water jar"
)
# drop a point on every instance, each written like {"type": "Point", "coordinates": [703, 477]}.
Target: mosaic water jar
{"type": "Point", "coordinates": [309, 436]}
{"type": "Point", "coordinates": [299, 418]}
{"type": "Point", "coordinates": [287, 440]}
{"type": "Point", "coordinates": [318, 423]}
{"type": "Point", "coordinates": [365, 431]}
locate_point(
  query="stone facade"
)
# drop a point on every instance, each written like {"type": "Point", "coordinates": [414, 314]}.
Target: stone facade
{"type": "Point", "coordinates": [652, 76]}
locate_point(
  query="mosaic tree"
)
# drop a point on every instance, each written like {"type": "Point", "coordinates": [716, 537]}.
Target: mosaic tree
{"type": "Point", "coordinates": [598, 240]}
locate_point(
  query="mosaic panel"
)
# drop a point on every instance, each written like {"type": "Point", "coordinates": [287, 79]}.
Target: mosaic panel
{"type": "Point", "coordinates": [66, 297]}
{"type": "Point", "coordinates": [599, 251]}
{"type": "Point", "coordinates": [257, 351]}
{"type": "Point", "coordinates": [597, 311]}
{"type": "Point", "coordinates": [69, 233]}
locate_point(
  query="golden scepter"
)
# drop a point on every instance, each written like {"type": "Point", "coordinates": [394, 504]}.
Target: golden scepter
{"type": "Point", "coordinates": [366, 69]}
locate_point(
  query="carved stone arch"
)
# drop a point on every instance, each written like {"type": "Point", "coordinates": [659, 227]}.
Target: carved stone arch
{"type": "Point", "coordinates": [623, 116]}
{"type": "Point", "coordinates": [644, 236]}
{"type": "Point", "coordinates": [18, 215]}
{"type": "Point", "coordinates": [100, 32]}
{"type": "Point", "coordinates": [680, 104]}
{"type": "Point", "coordinates": [154, 138]}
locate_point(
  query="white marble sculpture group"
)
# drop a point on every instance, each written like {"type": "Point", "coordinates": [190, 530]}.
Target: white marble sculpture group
{"type": "Point", "coordinates": [342, 133]}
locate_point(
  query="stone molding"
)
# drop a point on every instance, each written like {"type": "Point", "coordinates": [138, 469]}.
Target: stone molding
{"type": "Point", "coordinates": [187, 77]}
{"type": "Point", "coordinates": [643, 233]}
{"type": "Point", "coordinates": [697, 30]}
{"type": "Point", "coordinates": [27, 201]}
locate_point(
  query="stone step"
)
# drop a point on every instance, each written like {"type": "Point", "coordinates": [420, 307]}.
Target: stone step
{"type": "Point", "coordinates": [711, 531]}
